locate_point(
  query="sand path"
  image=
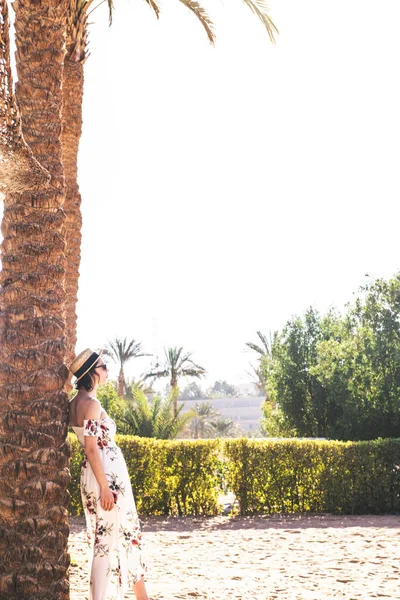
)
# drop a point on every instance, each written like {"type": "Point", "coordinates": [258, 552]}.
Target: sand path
{"type": "Point", "coordinates": [262, 558]}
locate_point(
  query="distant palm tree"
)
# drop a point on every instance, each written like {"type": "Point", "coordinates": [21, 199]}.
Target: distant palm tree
{"type": "Point", "coordinates": [263, 351]}
{"type": "Point", "coordinates": [204, 415]}
{"type": "Point", "coordinates": [121, 351]}
{"type": "Point", "coordinates": [177, 364]}
{"type": "Point", "coordinates": [153, 419]}
{"type": "Point", "coordinates": [225, 428]}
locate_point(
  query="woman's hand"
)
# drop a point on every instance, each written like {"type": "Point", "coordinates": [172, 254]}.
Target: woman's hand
{"type": "Point", "coordinates": [106, 498]}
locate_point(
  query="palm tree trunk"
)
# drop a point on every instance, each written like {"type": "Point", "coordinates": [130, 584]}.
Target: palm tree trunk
{"type": "Point", "coordinates": [33, 406]}
{"type": "Point", "coordinates": [71, 133]}
{"type": "Point", "coordinates": [175, 394]}
{"type": "Point", "coordinates": [121, 383]}
{"type": "Point", "coordinates": [73, 80]}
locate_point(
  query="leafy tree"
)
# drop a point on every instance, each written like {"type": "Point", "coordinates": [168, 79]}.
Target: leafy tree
{"type": "Point", "coordinates": [121, 351]}
{"type": "Point", "coordinates": [177, 364]}
{"type": "Point", "coordinates": [155, 419]}
{"type": "Point", "coordinates": [222, 388]}
{"type": "Point", "coordinates": [360, 366]}
{"type": "Point", "coordinates": [290, 381]}
{"type": "Point", "coordinates": [110, 400]}
{"type": "Point", "coordinates": [192, 392]}
{"type": "Point", "coordinates": [339, 376]}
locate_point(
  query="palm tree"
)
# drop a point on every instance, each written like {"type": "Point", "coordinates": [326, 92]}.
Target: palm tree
{"type": "Point", "coordinates": [73, 81]}
{"type": "Point", "coordinates": [34, 342]}
{"type": "Point", "coordinates": [204, 415]}
{"type": "Point", "coordinates": [177, 364]}
{"type": "Point", "coordinates": [263, 351]}
{"type": "Point", "coordinates": [33, 405]}
{"type": "Point", "coordinates": [225, 428]}
{"type": "Point", "coordinates": [155, 419]}
{"type": "Point", "coordinates": [121, 351]}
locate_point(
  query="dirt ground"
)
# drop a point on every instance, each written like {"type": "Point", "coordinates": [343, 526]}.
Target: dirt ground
{"type": "Point", "coordinates": [302, 557]}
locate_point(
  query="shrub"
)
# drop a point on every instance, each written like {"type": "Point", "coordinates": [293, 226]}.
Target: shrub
{"type": "Point", "coordinates": [167, 477]}
{"type": "Point", "coordinates": [183, 477]}
{"type": "Point", "coordinates": [316, 476]}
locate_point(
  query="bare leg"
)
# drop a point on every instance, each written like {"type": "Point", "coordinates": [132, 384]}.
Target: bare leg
{"type": "Point", "coordinates": [140, 590]}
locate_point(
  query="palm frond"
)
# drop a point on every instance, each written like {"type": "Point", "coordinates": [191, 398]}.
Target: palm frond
{"type": "Point", "coordinates": [192, 372]}
{"type": "Point", "coordinates": [202, 16]}
{"type": "Point", "coordinates": [110, 10]}
{"type": "Point", "coordinates": [156, 374]}
{"type": "Point", "coordinates": [155, 7]}
{"type": "Point", "coordinates": [260, 9]}
{"type": "Point", "coordinates": [266, 350]}
{"type": "Point", "coordinates": [255, 348]}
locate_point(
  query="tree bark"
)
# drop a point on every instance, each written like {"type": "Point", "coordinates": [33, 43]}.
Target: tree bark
{"type": "Point", "coordinates": [121, 383]}
{"type": "Point", "coordinates": [33, 406]}
{"type": "Point", "coordinates": [71, 133]}
{"type": "Point", "coordinates": [73, 81]}
{"type": "Point", "coordinates": [175, 394]}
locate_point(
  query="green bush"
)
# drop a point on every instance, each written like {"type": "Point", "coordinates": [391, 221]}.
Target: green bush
{"type": "Point", "coordinates": [314, 476]}
{"type": "Point", "coordinates": [180, 477]}
{"type": "Point", "coordinates": [167, 477]}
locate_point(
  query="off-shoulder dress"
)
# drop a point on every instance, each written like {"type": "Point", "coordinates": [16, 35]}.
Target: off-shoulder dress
{"type": "Point", "coordinates": [115, 541]}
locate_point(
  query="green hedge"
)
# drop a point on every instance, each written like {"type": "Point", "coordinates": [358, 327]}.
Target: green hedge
{"type": "Point", "coordinates": [185, 477]}
{"type": "Point", "coordinates": [314, 476]}
{"type": "Point", "coordinates": [167, 477]}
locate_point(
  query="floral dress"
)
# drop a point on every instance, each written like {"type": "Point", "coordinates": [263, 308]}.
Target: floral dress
{"type": "Point", "coordinates": [114, 537]}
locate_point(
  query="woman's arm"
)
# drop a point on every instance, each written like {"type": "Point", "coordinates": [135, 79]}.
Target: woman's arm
{"type": "Point", "coordinates": [93, 456]}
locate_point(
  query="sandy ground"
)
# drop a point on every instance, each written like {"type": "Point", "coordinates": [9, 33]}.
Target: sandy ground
{"type": "Point", "coordinates": [262, 558]}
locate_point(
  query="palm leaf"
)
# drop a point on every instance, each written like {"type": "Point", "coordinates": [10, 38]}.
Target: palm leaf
{"type": "Point", "coordinates": [155, 7]}
{"type": "Point", "coordinates": [202, 16]}
{"type": "Point", "coordinates": [260, 9]}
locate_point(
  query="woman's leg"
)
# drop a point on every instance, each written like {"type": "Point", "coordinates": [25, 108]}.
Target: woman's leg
{"type": "Point", "coordinates": [140, 590]}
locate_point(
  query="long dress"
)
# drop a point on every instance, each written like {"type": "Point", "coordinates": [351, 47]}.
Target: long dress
{"type": "Point", "coordinates": [115, 545]}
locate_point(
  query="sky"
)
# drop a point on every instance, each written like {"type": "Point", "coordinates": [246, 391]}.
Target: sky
{"type": "Point", "coordinates": [227, 188]}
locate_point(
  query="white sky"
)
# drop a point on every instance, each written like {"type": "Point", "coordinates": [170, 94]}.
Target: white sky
{"type": "Point", "coordinates": [226, 189]}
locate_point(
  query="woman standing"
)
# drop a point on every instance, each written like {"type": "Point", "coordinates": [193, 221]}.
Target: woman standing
{"type": "Point", "coordinates": [114, 536]}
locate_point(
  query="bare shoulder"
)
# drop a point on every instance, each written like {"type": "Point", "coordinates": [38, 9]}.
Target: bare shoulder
{"type": "Point", "coordinates": [91, 408]}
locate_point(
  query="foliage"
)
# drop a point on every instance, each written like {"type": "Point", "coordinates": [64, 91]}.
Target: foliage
{"type": "Point", "coordinates": [167, 477]}
{"type": "Point", "coordinates": [177, 364]}
{"type": "Point", "coordinates": [314, 476]}
{"type": "Point", "coordinates": [109, 400]}
{"type": "Point", "coordinates": [221, 388]}
{"type": "Point", "coordinates": [203, 416]}
{"type": "Point", "coordinates": [184, 477]}
{"type": "Point", "coordinates": [262, 351]}
{"type": "Point", "coordinates": [192, 392]}
{"type": "Point", "coordinates": [120, 350]}
{"type": "Point", "coordinates": [224, 428]}
{"type": "Point", "coordinates": [152, 419]}
{"type": "Point", "coordinates": [339, 376]}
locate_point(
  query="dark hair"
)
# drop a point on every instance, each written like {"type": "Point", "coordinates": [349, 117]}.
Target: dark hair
{"type": "Point", "coordinates": [88, 381]}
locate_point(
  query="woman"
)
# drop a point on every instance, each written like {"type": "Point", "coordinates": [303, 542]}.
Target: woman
{"type": "Point", "coordinates": [113, 528]}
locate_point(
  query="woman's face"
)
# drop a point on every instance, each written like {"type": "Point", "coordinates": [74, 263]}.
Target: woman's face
{"type": "Point", "coordinates": [101, 371]}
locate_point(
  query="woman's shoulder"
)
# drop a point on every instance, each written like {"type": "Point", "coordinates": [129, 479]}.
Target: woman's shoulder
{"type": "Point", "coordinates": [89, 407]}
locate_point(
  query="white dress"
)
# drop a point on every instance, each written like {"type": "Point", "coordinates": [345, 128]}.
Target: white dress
{"type": "Point", "coordinates": [114, 537]}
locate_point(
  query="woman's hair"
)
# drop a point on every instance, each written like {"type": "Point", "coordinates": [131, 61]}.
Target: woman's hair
{"type": "Point", "coordinates": [88, 381]}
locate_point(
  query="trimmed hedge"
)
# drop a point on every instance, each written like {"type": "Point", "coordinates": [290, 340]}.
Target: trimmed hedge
{"type": "Point", "coordinates": [183, 477]}
{"type": "Point", "coordinates": [314, 476]}
{"type": "Point", "coordinates": [167, 477]}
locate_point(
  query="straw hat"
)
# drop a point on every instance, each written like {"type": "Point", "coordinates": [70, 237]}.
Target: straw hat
{"type": "Point", "coordinates": [83, 363]}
